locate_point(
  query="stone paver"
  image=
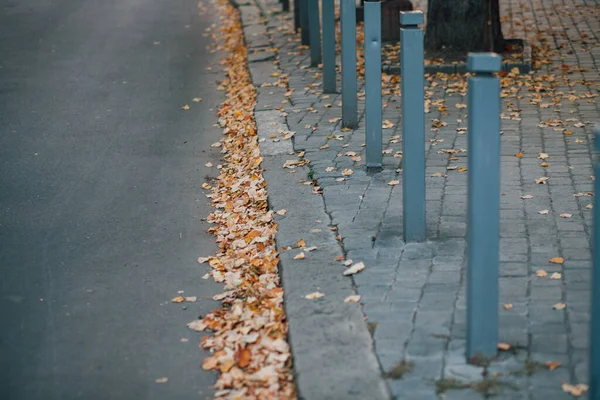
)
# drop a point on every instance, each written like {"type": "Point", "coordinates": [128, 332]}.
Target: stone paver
{"type": "Point", "coordinates": [413, 294]}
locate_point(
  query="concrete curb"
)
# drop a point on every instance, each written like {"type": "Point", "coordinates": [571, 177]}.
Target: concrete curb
{"type": "Point", "coordinates": [332, 349]}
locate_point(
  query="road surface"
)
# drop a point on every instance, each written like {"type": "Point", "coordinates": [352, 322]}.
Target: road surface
{"type": "Point", "coordinates": [101, 203]}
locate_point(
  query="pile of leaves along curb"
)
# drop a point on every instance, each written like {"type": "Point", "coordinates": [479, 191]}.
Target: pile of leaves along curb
{"type": "Point", "coordinates": [248, 344]}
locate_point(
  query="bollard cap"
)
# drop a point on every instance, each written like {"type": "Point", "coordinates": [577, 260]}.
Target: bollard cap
{"type": "Point", "coordinates": [484, 62]}
{"type": "Point", "coordinates": [411, 18]}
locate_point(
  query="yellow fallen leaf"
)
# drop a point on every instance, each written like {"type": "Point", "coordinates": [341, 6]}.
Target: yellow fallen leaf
{"type": "Point", "coordinates": [559, 306]}
{"type": "Point", "coordinates": [437, 174]}
{"type": "Point", "coordinates": [299, 256]}
{"type": "Point", "coordinates": [314, 295]}
{"type": "Point", "coordinates": [347, 172]}
{"type": "Point", "coordinates": [557, 260]}
{"type": "Point", "coordinates": [568, 132]}
{"type": "Point", "coordinates": [352, 299]}
{"type": "Point", "coordinates": [543, 156]}
{"type": "Point", "coordinates": [185, 107]}
{"type": "Point", "coordinates": [575, 390]}
{"type": "Point", "coordinates": [206, 186]}
{"type": "Point", "coordinates": [544, 164]}
{"type": "Point", "coordinates": [210, 363]}
{"type": "Point", "coordinates": [462, 169]}
{"type": "Point", "coordinates": [301, 243]}
{"type": "Point", "coordinates": [519, 154]}
{"type": "Point", "coordinates": [178, 299]}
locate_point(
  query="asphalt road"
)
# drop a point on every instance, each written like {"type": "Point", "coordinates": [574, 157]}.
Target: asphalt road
{"type": "Point", "coordinates": [100, 197]}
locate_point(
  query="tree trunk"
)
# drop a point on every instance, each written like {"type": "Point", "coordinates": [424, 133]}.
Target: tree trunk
{"type": "Point", "coordinates": [461, 26]}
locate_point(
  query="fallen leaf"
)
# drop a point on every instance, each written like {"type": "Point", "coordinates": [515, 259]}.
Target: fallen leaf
{"type": "Point", "coordinates": [197, 325]}
{"type": "Point", "coordinates": [556, 275]}
{"type": "Point", "coordinates": [210, 363]}
{"type": "Point", "coordinates": [347, 263]}
{"type": "Point", "coordinates": [164, 379]}
{"type": "Point", "coordinates": [314, 295]}
{"type": "Point", "coordinates": [301, 243]}
{"type": "Point", "coordinates": [552, 365]}
{"type": "Point", "coordinates": [338, 258]}
{"type": "Point", "coordinates": [202, 260]}
{"type": "Point", "coordinates": [503, 346]}
{"type": "Point", "coordinates": [191, 299]}
{"type": "Point", "coordinates": [437, 174]}
{"type": "Point", "coordinates": [508, 306]}
{"type": "Point", "coordinates": [178, 299]}
{"type": "Point", "coordinates": [347, 172]}
{"type": "Point", "coordinates": [185, 107]}
{"type": "Point", "coordinates": [206, 186]}
{"type": "Point", "coordinates": [575, 390]}
{"type": "Point", "coordinates": [356, 268]}
{"type": "Point", "coordinates": [544, 164]}
{"type": "Point", "coordinates": [559, 306]}
{"type": "Point", "coordinates": [329, 169]}
{"type": "Point", "coordinates": [387, 124]}
{"type": "Point", "coordinates": [197, 99]}
{"type": "Point", "coordinates": [543, 212]}
{"type": "Point", "coordinates": [299, 256]}
{"type": "Point", "coordinates": [541, 273]}
{"type": "Point", "coordinates": [283, 211]}
{"type": "Point", "coordinates": [543, 156]}
{"type": "Point", "coordinates": [566, 215]}
{"type": "Point", "coordinates": [542, 180]}
{"type": "Point", "coordinates": [243, 357]}
{"type": "Point", "coordinates": [393, 183]}
{"type": "Point", "coordinates": [527, 196]}
{"type": "Point", "coordinates": [590, 206]}
{"type": "Point", "coordinates": [352, 299]}
{"type": "Point", "coordinates": [557, 260]}
{"type": "Point", "coordinates": [217, 144]}
{"type": "Point", "coordinates": [519, 154]}
{"type": "Point", "coordinates": [568, 132]}
{"type": "Point", "coordinates": [462, 169]}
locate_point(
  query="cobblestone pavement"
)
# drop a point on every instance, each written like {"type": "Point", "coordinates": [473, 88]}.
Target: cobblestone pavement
{"type": "Point", "coordinates": [413, 294]}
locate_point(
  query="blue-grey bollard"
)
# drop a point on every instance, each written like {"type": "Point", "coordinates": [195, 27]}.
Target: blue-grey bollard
{"type": "Point", "coordinates": [304, 24]}
{"type": "Point", "coordinates": [329, 84]}
{"type": "Point", "coordinates": [314, 30]}
{"type": "Point", "coordinates": [413, 126]}
{"type": "Point", "coordinates": [373, 83]}
{"type": "Point", "coordinates": [594, 370]}
{"type": "Point", "coordinates": [348, 31]}
{"type": "Point", "coordinates": [483, 205]}
{"type": "Point", "coordinates": [296, 15]}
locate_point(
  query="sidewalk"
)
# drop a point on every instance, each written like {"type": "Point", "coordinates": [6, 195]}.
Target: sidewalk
{"type": "Point", "coordinates": [413, 295]}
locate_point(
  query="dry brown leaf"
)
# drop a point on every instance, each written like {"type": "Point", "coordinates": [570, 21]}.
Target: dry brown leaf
{"type": "Point", "coordinates": [197, 325]}
{"type": "Point", "coordinates": [519, 154]}
{"type": "Point", "coordinates": [338, 258]}
{"type": "Point", "coordinates": [566, 215]}
{"type": "Point", "coordinates": [243, 357]}
{"type": "Point", "coordinates": [544, 164]}
{"type": "Point", "coordinates": [314, 295]}
{"type": "Point", "coordinates": [542, 180]}
{"type": "Point", "coordinates": [575, 390]}
{"type": "Point", "coordinates": [347, 263]}
{"type": "Point", "coordinates": [559, 306]}
{"type": "Point", "coordinates": [552, 365]}
{"type": "Point", "coordinates": [393, 183]}
{"type": "Point", "coordinates": [282, 212]}
{"type": "Point", "coordinates": [299, 256]}
{"type": "Point", "coordinates": [508, 306]}
{"type": "Point", "coordinates": [543, 212]}
{"type": "Point", "coordinates": [541, 273]}
{"type": "Point", "coordinates": [191, 299]}
{"type": "Point", "coordinates": [202, 260]}
{"type": "Point", "coordinates": [543, 156]}
{"type": "Point", "coordinates": [557, 260]}
{"type": "Point", "coordinates": [527, 196]}
{"type": "Point", "coordinates": [556, 275]}
{"type": "Point", "coordinates": [206, 186]}
{"type": "Point", "coordinates": [437, 174]}
{"type": "Point", "coordinates": [356, 268]}
{"type": "Point", "coordinates": [185, 107]}
{"type": "Point", "coordinates": [164, 379]}
{"type": "Point", "coordinates": [504, 346]}
{"type": "Point", "coordinates": [210, 363]}
{"type": "Point", "coordinates": [301, 243]}
{"type": "Point", "coordinates": [347, 172]}
{"type": "Point", "coordinates": [352, 299]}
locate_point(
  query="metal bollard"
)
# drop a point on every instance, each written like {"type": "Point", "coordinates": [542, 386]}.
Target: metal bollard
{"type": "Point", "coordinates": [594, 370]}
{"type": "Point", "coordinates": [297, 24]}
{"type": "Point", "coordinates": [304, 24]}
{"type": "Point", "coordinates": [314, 30]}
{"type": "Point", "coordinates": [373, 116]}
{"type": "Point", "coordinates": [329, 84]}
{"type": "Point", "coordinates": [348, 30]}
{"type": "Point", "coordinates": [285, 4]}
{"type": "Point", "coordinates": [413, 126]}
{"type": "Point", "coordinates": [483, 205]}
